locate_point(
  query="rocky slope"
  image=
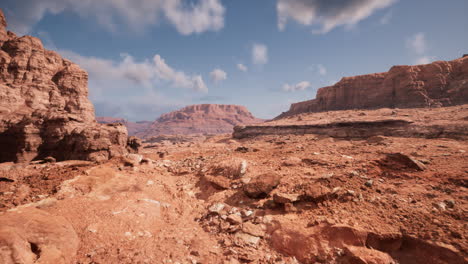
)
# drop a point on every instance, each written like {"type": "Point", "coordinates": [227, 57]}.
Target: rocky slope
{"type": "Point", "coordinates": [441, 83]}
{"type": "Point", "coordinates": [200, 119]}
{"type": "Point", "coordinates": [133, 128]}
{"type": "Point", "coordinates": [270, 199]}
{"type": "Point", "coordinates": [44, 106]}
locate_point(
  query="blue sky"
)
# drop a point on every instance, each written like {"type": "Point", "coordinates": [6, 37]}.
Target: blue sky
{"type": "Point", "coordinates": [147, 57]}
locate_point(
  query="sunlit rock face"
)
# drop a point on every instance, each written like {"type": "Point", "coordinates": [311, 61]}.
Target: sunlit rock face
{"type": "Point", "coordinates": [441, 83]}
{"type": "Point", "coordinates": [44, 106]}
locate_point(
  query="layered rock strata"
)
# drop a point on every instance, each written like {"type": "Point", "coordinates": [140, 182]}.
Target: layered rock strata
{"type": "Point", "coordinates": [441, 83]}
{"type": "Point", "coordinates": [44, 106]}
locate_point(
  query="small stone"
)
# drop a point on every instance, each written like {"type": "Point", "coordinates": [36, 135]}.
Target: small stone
{"type": "Point", "coordinates": [450, 203]}
{"type": "Point", "coordinates": [283, 198]}
{"type": "Point", "coordinates": [247, 238]}
{"type": "Point", "coordinates": [149, 182]}
{"type": "Point", "coordinates": [243, 168]}
{"type": "Point", "coordinates": [369, 183]}
{"type": "Point", "coordinates": [234, 219]}
{"type": "Point", "coordinates": [336, 189]}
{"type": "Point", "coordinates": [253, 229]}
{"type": "Point", "coordinates": [247, 213]}
{"type": "Point", "coordinates": [292, 161]}
{"type": "Point", "coordinates": [354, 173]}
{"type": "Point", "coordinates": [49, 159]}
{"type": "Point", "coordinates": [441, 206]}
{"type": "Point", "coordinates": [245, 180]}
{"type": "Point", "coordinates": [133, 159]}
{"type": "Point", "coordinates": [216, 208]}
{"type": "Point", "coordinates": [220, 182]}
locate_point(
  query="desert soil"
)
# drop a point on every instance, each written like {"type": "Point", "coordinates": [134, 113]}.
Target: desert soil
{"type": "Point", "coordinates": [269, 199]}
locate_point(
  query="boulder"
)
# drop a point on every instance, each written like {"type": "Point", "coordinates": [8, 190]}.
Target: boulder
{"type": "Point", "coordinates": [30, 235]}
{"type": "Point", "coordinates": [134, 144]}
{"type": "Point", "coordinates": [262, 185]}
{"type": "Point", "coordinates": [230, 168]}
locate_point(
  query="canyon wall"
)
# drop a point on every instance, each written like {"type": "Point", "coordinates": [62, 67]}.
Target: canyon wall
{"type": "Point", "coordinates": [44, 106]}
{"type": "Point", "coordinates": [441, 83]}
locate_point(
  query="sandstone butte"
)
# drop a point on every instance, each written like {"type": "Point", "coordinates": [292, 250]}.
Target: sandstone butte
{"type": "Point", "coordinates": [44, 106]}
{"type": "Point", "coordinates": [200, 119]}
{"type": "Point", "coordinates": [441, 83]}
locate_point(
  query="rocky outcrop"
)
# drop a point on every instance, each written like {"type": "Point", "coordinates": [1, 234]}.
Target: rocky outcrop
{"type": "Point", "coordinates": [44, 106]}
{"type": "Point", "coordinates": [444, 122]}
{"type": "Point", "coordinates": [200, 119]}
{"type": "Point", "coordinates": [133, 128]}
{"type": "Point", "coordinates": [441, 83]}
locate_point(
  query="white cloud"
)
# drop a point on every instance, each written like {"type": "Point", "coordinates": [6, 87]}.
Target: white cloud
{"type": "Point", "coordinates": [417, 43]}
{"type": "Point", "coordinates": [187, 18]}
{"type": "Point", "coordinates": [328, 14]}
{"type": "Point", "coordinates": [259, 54]}
{"type": "Point", "coordinates": [296, 87]}
{"type": "Point", "coordinates": [146, 72]}
{"type": "Point", "coordinates": [178, 78]}
{"type": "Point", "coordinates": [242, 67]}
{"type": "Point", "coordinates": [385, 19]}
{"type": "Point", "coordinates": [424, 60]}
{"type": "Point", "coordinates": [321, 69]}
{"type": "Point", "coordinates": [218, 75]}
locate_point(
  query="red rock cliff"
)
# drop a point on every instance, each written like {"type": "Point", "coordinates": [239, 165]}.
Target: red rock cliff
{"type": "Point", "coordinates": [44, 106]}
{"type": "Point", "coordinates": [441, 83]}
{"type": "Point", "coordinates": [201, 119]}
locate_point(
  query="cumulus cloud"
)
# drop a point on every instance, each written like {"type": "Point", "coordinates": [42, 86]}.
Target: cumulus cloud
{"type": "Point", "coordinates": [321, 69]}
{"type": "Point", "coordinates": [218, 75]}
{"type": "Point", "coordinates": [424, 60]}
{"type": "Point", "coordinates": [178, 78]}
{"type": "Point", "coordinates": [146, 72]}
{"type": "Point", "coordinates": [259, 54]}
{"type": "Point", "coordinates": [328, 14]}
{"type": "Point", "coordinates": [242, 67]}
{"type": "Point", "coordinates": [417, 43]}
{"type": "Point", "coordinates": [296, 87]}
{"type": "Point", "coordinates": [186, 17]}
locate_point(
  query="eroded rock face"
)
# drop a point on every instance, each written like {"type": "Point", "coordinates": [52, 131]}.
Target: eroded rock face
{"type": "Point", "coordinates": [44, 106]}
{"type": "Point", "coordinates": [200, 119]}
{"type": "Point", "coordinates": [441, 83]}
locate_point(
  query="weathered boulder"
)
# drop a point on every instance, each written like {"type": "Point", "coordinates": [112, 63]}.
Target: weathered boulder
{"type": "Point", "coordinates": [441, 83]}
{"type": "Point", "coordinates": [262, 185]}
{"type": "Point", "coordinates": [44, 106]}
{"type": "Point", "coordinates": [31, 235]}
